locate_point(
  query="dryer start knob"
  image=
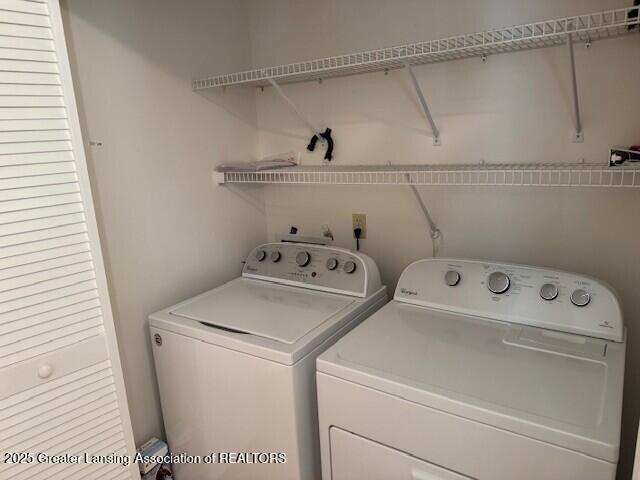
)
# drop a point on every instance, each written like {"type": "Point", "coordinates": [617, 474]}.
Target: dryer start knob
{"type": "Point", "coordinates": [303, 259]}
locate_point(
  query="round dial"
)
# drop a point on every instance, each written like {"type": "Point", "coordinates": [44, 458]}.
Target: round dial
{"type": "Point", "coordinates": [498, 282]}
{"type": "Point", "coordinates": [350, 266]}
{"type": "Point", "coordinates": [332, 263]}
{"type": "Point", "coordinates": [275, 256]}
{"type": "Point", "coordinates": [580, 298]}
{"type": "Point", "coordinates": [261, 255]}
{"type": "Point", "coordinates": [303, 259]}
{"type": "Point", "coordinates": [548, 291]}
{"type": "Point", "coordinates": [452, 278]}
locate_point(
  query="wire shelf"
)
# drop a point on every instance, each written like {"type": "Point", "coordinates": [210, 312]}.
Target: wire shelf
{"type": "Point", "coordinates": [520, 175]}
{"type": "Point", "coordinates": [547, 33]}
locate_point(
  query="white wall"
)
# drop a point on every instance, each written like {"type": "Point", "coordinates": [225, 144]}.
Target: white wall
{"type": "Point", "coordinates": [167, 232]}
{"type": "Point", "coordinates": [513, 108]}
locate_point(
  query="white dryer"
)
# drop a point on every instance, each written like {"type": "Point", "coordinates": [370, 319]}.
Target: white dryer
{"type": "Point", "coordinates": [477, 370]}
{"type": "Point", "coordinates": [236, 365]}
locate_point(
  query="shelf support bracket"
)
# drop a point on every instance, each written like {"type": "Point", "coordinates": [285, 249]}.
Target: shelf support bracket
{"type": "Point", "coordinates": [578, 134]}
{"type": "Point", "coordinates": [292, 106]}
{"type": "Point", "coordinates": [423, 102]}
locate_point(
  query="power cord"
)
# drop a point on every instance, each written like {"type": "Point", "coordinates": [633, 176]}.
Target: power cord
{"type": "Point", "coordinates": [356, 233]}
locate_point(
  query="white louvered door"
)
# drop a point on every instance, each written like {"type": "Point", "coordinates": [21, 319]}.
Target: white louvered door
{"type": "Point", "coordinates": [61, 387]}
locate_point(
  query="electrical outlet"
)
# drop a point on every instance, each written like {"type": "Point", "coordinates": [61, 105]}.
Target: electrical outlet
{"type": "Point", "coordinates": [360, 221]}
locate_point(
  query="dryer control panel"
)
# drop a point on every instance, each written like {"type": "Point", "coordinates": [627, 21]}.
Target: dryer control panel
{"type": "Point", "coordinates": [550, 299]}
{"type": "Point", "coordinates": [330, 269]}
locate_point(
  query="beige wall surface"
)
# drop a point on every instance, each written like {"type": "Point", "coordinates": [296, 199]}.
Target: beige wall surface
{"type": "Point", "coordinates": [512, 108]}
{"type": "Point", "coordinates": [167, 232]}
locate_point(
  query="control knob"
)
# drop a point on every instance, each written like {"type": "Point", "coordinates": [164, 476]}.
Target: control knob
{"type": "Point", "coordinates": [332, 263]}
{"type": "Point", "coordinates": [261, 255]}
{"type": "Point", "coordinates": [452, 278]}
{"type": "Point", "coordinates": [580, 298]}
{"type": "Point", "coordinates": [275, 256]}
{"type": "Point", "coordinates": [303, 259]}
{"type": "Point", "coordinates": [350, 266]}
{"type": "Point", "coordinates": [548, 292]}
{"type": "Point", "coordinates": [498, 282]}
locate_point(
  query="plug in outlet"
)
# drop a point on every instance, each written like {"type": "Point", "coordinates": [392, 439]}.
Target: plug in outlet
{"type": "Point", "coordinates": [360, 221]}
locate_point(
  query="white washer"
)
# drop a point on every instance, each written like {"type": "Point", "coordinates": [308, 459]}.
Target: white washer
{"type": "Point", "coordinates": [236, 365]}
{"type": "Point", "coordinates": [477, 370]}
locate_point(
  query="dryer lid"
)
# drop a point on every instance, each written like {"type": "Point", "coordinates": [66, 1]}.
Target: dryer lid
{"type": "Point", "coordinates": [280, 313]}
{"type": "Point", "coordinates": [561, 388]}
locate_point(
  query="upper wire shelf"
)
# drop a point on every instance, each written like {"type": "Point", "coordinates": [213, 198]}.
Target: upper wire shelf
{"type": "Point", "coordinates": [520, 175]}
{"type": "Point", "coordinates": [547, 33]}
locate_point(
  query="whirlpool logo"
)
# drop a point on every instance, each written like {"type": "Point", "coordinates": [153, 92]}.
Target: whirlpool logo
{"type": "Point", "coordinates": [408, 292]}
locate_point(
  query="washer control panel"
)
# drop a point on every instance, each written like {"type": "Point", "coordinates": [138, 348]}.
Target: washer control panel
{"type": "Point", "coordinates": [540, 297]}
{"type": "Point", "coordinates": [313, 266]}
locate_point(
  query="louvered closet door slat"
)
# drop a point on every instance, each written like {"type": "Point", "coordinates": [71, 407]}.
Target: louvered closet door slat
{"type": "Point", "coordinates": [55, 238]}
{"type": "Point", "coordinates": [19, 18]}
{"type": "Point", "coordinates": [26, 31]}
{"type": "Point", "coordinates": [37, 192]}
{"type": "Point", "coordinates": [37, 170]}
{"type": "Point", "coordinates": [49, 304]}
{"type": "Point", "coordinates": [35, 259]}
{"type": "Point", "coordinates": [29, 237]}
{"type": "Point", "coordinates": [23, 6]}
{"type": "Point", "coordinates": [54, 306]}
{"type": "Point", "coordinates": [28, 89]}
{"type": "Point", "coordinates": [40, 224]}
{"type": "Point", "coordinates": [59, 291]}
{"type": "Point", "coordinates": [27, 43]}
{"type": "Point", "coordinates": [61, 402]}
{"type": "Point", "coordinates": [27, 54]}
{"type": "Point", "coordinates": [38, 201]}
{"type": "Point", "coordinates": [49, 320]}
{"type": "Point", "coordinates": [31, 101]}
{"type": "Point", "coordinates": [28, 66]}
{"type": "Point", "coordinates": [31, 125]}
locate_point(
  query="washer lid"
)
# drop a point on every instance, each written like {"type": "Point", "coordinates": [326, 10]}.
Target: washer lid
{"type": "Point", "coordinates": [560, 388]}
{"type": "Point", "coordinates": [283, 314]}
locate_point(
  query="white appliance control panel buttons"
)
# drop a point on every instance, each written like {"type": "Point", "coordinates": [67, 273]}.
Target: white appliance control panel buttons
{"type": "Point", "coordinates": [516, 294]}
{"type": "Point", "coordinates": [452, 278]}
{"type": "Point", "coordinates": [548, 292]}
{"type": "Point", "coordinates": [580, 298]}
{"type": "Point", "coordinates": [332, 263]}
{"type": "Point", "coordinates": [318, 267]}
{"type": "Point", "coordinates": [350, 267]}
{"type": "Point", "coordinates": [303, 259]}
{"type": "Point", "coordinates": [498, 282]}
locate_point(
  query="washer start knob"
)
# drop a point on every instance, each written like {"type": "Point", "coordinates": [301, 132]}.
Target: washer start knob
{"type": "Point", "coordinates": [498, 282]}
{"type": "Point", "coordinates": [452, 278]}
{"type": "Point", "coordinates": [580, 298]}
{"type": "Point", "coordinates": [275, 256]}
{"type": "Point", "coordinates": [350, 266]}
{"type": "Point", "coordinates": [549, 292]}
{"type": "Point", "coordinates": [332, 263]}
{"type": "Point", "coordinates": [303, 259]}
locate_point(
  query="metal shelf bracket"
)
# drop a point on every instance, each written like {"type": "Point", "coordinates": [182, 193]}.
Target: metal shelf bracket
{"type": "Point", "coordinates": [423, 102]}
{"type": "Point", "coordinates": [578, 134]}
{"type": "Point", "coordinates": [292, 106]}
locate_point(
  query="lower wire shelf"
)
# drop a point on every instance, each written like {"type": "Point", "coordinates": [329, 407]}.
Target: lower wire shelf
{"type": "Point", "coordinates": [517, 175]}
